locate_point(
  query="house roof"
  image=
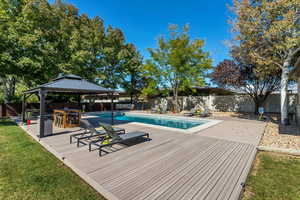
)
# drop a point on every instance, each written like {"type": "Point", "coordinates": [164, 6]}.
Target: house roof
{"type": "Point", "coordinates": [70, 84]}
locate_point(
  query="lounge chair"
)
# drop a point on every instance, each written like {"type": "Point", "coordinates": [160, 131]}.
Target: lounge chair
{"type": "Point", "coordinates": [90, 132]}
{"type": "Point", "coordinates": [118, 139]}
{"type": "Point", "coordinates": [191, 113]}
{"type": "Point", "coordinates": [154, 110]}
{"type": "Point", "coordinates": [205, 113]}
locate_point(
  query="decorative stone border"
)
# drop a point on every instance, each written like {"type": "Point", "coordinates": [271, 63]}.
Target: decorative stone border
{"type": "Point", "coordinates": [279, 150]}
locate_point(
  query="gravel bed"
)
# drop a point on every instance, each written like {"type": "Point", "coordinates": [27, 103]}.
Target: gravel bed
{"type": "Point", "coordinates": [281, 137]}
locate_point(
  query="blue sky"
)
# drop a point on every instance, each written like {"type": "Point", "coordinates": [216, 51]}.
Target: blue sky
{"type": "Point", "coordinates": [143, 21]}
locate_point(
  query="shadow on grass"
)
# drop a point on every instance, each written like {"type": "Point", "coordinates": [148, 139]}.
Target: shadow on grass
{"type": "Point", "coordinates": [7, 122]}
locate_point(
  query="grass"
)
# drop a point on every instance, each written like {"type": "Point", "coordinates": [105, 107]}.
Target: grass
{"type": "Point", "coordinates": [28, 171]}
{"type": "Point", "coordinates": [274, 177]}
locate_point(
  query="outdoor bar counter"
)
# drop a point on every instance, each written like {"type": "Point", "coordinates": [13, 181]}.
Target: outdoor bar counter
{"type": "Point", "coordinates": [67, 118]}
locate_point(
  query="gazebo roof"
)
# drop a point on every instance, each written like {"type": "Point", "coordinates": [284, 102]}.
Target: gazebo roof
{"type": "Point", "coordinates": [70, 84]}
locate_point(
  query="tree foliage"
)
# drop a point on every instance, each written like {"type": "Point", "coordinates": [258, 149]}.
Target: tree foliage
{"type": "Point", "coordinates": [39, 40]}
{"type": "Point", "coordinates": [270, 30]}
{"type": "Point", "coordinates": [240, 75]}
{"type": "Point", "coordinates": [178, 63]}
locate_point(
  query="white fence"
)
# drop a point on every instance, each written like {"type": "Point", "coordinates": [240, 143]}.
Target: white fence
{"type": "Point", "coordinates": [230, 103]}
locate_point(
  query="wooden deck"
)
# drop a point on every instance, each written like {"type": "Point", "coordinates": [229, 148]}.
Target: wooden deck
{"type": "Point", "coordinates": [170, 166]}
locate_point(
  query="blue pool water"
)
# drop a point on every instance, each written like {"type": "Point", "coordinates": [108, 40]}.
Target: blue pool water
{"type": "Point", "coordinates": [161, 121]}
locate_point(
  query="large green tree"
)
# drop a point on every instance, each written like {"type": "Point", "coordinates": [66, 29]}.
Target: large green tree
{"type": "Point", "coordinates": [134, 78]}
{"type": "Point", "coordinates": [29, 50]}
{"type": "Point", "coordinates": [8, 67]}
{"type": "Point", "coordinates": [179, 62]}
{"type": "Point", "coordinates": [270, 31]}
{"type": "Point", "coordinates": [39, 40]}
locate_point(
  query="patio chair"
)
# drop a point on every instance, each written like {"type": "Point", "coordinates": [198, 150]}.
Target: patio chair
{"type": "Point", "coordinates": [90, 132]}
{"type": "Point", "coordinates": [191, 113]}
{"type": "Point", "coordinates": [154, 110]}
{"type": "Point", "coordinates": [205, 113]}
{"type": "Point", "coordinates": [119, 139]}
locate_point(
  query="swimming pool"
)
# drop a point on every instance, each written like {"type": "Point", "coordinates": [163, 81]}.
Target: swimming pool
{"type": "Point", "coordinates": [170, 122]}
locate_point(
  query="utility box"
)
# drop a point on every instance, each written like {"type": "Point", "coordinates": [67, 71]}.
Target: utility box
{"type": "Point", "coordinates": [48, 128]}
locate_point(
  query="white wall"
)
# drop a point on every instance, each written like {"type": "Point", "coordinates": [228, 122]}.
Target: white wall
{"type": "Point", "coordinates": [229, 103]}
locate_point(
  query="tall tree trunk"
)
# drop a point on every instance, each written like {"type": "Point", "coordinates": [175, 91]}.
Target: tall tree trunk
{"type": "Point", "coordinates": [283, 93]}
{"type": "Point", "coordinates": [9, 88]}
{"type": "Point", "coordinates": [258, 102]}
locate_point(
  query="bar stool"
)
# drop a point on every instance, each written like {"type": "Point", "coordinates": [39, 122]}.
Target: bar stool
{"type": "Point", "coordinates": [59, 119]}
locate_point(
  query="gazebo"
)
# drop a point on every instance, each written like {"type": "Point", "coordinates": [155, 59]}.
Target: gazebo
{"type": "Point", "coordinates": [67, 84]}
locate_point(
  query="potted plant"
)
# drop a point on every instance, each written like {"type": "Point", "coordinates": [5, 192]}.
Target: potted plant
{"type": "Point", "coordinates": [28, 117]}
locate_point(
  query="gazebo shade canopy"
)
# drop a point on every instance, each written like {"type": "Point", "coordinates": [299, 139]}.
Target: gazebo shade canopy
{"type": "Point", "coordinates": [70, 84]}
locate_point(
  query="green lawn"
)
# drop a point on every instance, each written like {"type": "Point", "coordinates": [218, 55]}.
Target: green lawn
{"type": "Point", "coordinates": [28, 171]}
{"type": "Point", "coordinates": [274, 177]}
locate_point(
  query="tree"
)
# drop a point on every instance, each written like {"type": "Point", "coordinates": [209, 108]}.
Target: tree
{"type": "Point", "coordinates": [133, 80]}
{"type": "Point", "coordinates": [8, 13]}
{"type": "Point", "coordinates": [179, 61]}
{"type": "Point", "coordinates": [39, 40]}
{"type": "Point", "coordinates": [270, 30]}
{"type": "Point", "coordinates": [111, 71]}
{"type": "Point", "coordinates": [232, 74]}
{"type": "Point", "coordinates": [28, 52]}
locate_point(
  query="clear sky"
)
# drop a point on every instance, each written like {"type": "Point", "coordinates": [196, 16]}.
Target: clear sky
{"type": "Point", "coordinates": [142, 21]}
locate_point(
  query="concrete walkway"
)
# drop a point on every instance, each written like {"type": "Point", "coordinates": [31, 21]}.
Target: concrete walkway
{"type": "Point", "coordinates": [211, 164]}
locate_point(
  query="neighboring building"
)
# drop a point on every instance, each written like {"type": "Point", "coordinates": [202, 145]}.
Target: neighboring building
{"type": "Point", "coordinates": [296, 75]}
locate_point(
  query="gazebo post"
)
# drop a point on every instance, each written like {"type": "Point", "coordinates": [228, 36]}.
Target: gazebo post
{"type": "Point", "coordinates": [112, 108]}
{"type": "Point", "coordinates": [42, 94]}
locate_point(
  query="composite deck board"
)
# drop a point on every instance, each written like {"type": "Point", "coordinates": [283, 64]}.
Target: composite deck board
{"type": "Point", "coordinates": [172, 165]}
{"type": "Point", "coordinates": [91, 162]}
{"type": "Point", "coordinates": [205, 179]}
{"type": "Point", "coordinates": [217, 183]}
{"type": "Point", "coordinates": [162, 182]}
{"type": "Point", "coordinates": [178, 175]}
{"type": "Point", "coordinates": [140, 160]}
{"type": "Point", "coordinates": [199, 179]}
{"type": "Point", "coordinates": [144, 173]}
{"type": "Point", "coordinates": [233, 180]}
{"type": "Point", "coordinates": [130, 150]}
{"type": "Point", "coordinates": [150, 175]}
{"type": "Point", "coordinates": [236, 191]}
{"type": "Point", "coordinates": [180, 178]}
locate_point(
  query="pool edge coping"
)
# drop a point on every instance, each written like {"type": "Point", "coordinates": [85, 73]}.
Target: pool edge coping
{"type": "Point", "coordinates": [209, 122]}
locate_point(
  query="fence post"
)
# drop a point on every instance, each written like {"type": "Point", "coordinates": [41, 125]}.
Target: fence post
{"type": "Point", "coordinates": [3, 110]}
